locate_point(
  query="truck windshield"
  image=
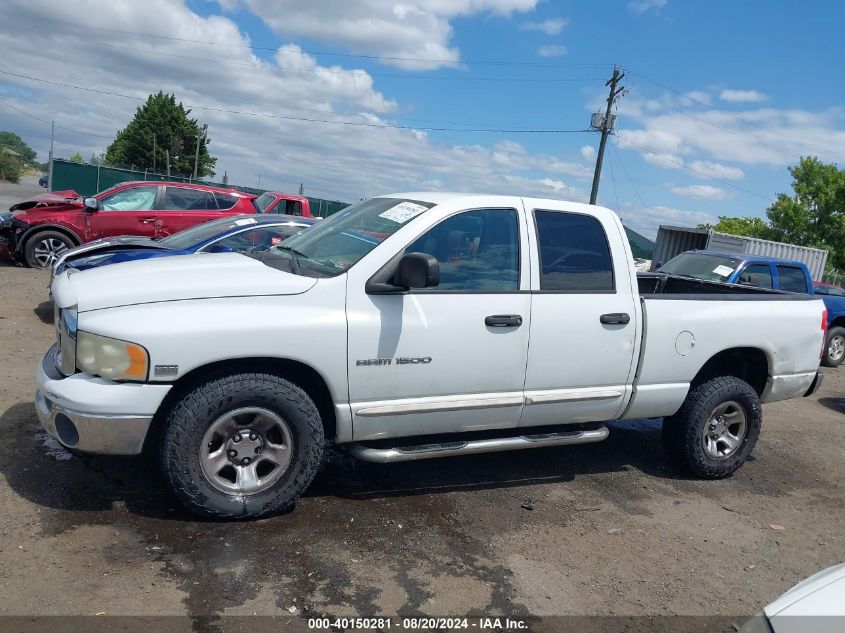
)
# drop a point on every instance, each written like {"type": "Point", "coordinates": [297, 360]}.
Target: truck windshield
{"type": "Point", "coordinates": [701, 266]}
{"type": "Point", "coordinates": [331, 246]}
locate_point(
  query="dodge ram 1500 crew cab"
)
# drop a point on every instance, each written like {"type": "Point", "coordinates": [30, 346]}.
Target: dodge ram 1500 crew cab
{"type": "Point", "coordinates": [406, 327]}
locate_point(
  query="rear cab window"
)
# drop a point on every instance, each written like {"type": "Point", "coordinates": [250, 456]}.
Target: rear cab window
{"type": "Point", "coordinates": [791, 278]}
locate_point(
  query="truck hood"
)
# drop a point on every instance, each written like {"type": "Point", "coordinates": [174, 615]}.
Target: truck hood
{"type": "Point", "coordinates": [67, 198]}
{"type": "Point", "coordinates": [200, 276]}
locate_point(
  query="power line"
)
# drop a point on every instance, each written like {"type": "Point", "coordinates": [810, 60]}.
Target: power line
{"type": "Point", "coordinates": [358, 73]}
{"type": "Point", "coordinates": [631, 180]}
{"type": "Point", "coordinates": [61, 127]}
{"type": "Point", "coordinates": [457, 63]}
{"type": "Point", "coordinates": [292, 118]}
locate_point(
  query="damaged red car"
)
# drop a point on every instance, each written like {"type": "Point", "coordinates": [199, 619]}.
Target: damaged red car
{"type": "Point", "coordinates": [37, 231]}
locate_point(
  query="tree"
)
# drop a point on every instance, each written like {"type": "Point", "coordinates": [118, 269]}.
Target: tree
{"type": "Point", "coordinates": [162, 125]}
{"type": "Point", "coordinates": [16, 143]}
{"type": "Point", "coordinates": [76, 157]}
{"type": "Point", "coordinates": [749, 227]}
{"type": "Point", "coordinates": [814, 215]}
{"type": "Point", "coordinates": [10, 166]}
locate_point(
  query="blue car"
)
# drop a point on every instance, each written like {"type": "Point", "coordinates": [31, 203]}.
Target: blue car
{"type": "Point", "coordinates": [232, 234]}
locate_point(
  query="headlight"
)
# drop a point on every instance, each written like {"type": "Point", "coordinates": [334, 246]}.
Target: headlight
{"type": "Point", "coordinates": [5, 219]}
{"type": "Point", "coordinates": [111, 358]}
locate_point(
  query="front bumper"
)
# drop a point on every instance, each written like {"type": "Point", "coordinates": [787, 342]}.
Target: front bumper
{"type": "Point", "coordinates": [6, 250]}
{"type": "Point", "coordinates": [94, 415]}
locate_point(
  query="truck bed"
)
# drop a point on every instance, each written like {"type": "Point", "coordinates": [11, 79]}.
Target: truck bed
{"type": "Point", "coordinates": [687, 321]}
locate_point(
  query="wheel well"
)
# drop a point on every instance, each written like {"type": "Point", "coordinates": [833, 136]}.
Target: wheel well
{"type": "Point", "coordinates": [838, 322]}
{"type": "Point", "coordinates": [47, 227]}
{"type": "Point", "coordinates": [746, 363]}
{"type": "Point", "coordinates": [305, 377]}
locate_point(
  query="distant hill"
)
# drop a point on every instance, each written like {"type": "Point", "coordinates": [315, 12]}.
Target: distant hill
{"type": "Point", "coordinates": [641, 246]}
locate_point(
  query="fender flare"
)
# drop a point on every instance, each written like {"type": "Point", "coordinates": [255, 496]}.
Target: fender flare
{"type": "Point", "coordinates": [19, 243]}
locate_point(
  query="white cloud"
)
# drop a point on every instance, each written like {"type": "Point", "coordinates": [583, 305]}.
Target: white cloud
{"type": "Point", "coordinates": [384, 28]}
{"type": "Point", "coordinates": [681, 131]}
{"type": "Point", "coordinates": [641, 6]}
{"type": "Point", "coordinates": [343, 162]}
{"type": "Point", "coordinates": [716, 170]}
{"type": "Point", "coordinates": [552, 50]}
{"type": "Point", "coordinates": [587, 152]}
{"type": "Point", "coordinates": [705, 192]}
{"type": "Point", "coordinates": [552, 26]}
{"type": "Point", "coordinates": [742, 96]}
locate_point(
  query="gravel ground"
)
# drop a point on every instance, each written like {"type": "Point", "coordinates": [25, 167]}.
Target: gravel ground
{"type": "Point", "coordinates": [10, 193]}
{"type": "Point", "coordinates": [613, 529]}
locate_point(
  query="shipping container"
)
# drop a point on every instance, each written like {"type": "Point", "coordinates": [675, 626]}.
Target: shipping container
{"type": "Point", "coordinates": [673, 240]}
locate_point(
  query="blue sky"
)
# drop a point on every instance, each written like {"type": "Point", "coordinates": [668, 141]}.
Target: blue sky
{"type": "Point", "coordinates": [723, 96]}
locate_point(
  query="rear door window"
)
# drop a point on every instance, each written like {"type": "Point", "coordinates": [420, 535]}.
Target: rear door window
{"type": "Point", "coordinates": [187, 199]}
{"type": "Point", "coordinates": [791, 278]}
{"type": "Point", "coordinates": [574, 253]}
{"type": "Point", "coordinates": [759, 275]}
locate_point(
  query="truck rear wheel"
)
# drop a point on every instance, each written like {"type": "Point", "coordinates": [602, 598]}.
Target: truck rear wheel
{"type": "Point", "coordinates": [834, 347]}
{"type": "Point", "coordinates": [242, 446]}
{"type": "Point", "coordinates": [716, 428]}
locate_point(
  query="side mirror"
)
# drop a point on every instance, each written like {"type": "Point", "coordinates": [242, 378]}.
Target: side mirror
{"type": "Point", "coordinates": [417, 270]}
{"type": "Point", "coordinates": [91, 204]}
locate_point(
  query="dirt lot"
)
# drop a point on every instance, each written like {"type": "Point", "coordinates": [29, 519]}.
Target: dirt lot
{"type": "Point", "coordinates": [613, 529]}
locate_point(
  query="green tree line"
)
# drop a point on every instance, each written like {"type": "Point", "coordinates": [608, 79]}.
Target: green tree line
{"type": "Point", "coordinates": [814, 215]}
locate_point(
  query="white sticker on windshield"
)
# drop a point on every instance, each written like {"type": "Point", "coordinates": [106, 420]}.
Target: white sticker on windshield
{"type": "Point", "coordinates": [722, 270]}
{"type": "Point", "coordinates": [403, 212]}
{"type": "Point", "coordinates": [245, 221]}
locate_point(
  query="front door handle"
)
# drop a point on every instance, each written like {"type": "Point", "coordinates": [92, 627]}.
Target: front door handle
{"type": "Point", "coordinates": [147, 220]}
{"type": "Point", "coordinates": [503, 320]}
{"type": "Point", "coordinates": [615, 318]}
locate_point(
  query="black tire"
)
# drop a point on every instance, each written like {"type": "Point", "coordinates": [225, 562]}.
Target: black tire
{"type": "Point", "coordinates": [50, 240]}
{"type": "Point", "coordinates": [830, 358]}
{"type": "Point", "coordinates": [190, 418]}
{"type": "Point", "coordinates": [683, 433]}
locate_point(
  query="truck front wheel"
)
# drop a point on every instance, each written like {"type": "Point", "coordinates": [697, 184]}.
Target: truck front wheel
{"type": "Point", "coordinates": [242, 446]}
{"type": "Point", "coordinates": [716, 428]}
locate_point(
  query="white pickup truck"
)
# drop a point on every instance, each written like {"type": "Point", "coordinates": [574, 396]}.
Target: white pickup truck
{"type": "Point", "coordinates": [412, 326]}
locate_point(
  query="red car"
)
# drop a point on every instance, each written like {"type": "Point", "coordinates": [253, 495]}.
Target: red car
{"type": "Point", "coordinates": [40, 229]}
{"type": "Point", "coordinates": [286, 203]}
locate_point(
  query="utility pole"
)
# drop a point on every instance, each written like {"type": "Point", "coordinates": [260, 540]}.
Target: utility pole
{"type": "Point", "coordinates": [50, 166]}
{"type": "Point", "coordinates": [167, 157]}
{"type": "Point", "coordinates": [200, 136]}
{"type": "Point", "coordinates": [154, 153]}
{"type": "Point", "coordinates": [606, 126]}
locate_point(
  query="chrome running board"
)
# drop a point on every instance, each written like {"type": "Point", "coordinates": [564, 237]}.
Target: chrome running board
{"type": "Point", "coordinates": [468, 447]}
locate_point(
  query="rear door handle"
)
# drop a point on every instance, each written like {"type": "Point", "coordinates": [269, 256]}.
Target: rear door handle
{"type": "Point", "coordinates": [615, 318]}
{"type": "Point", "coordinates": [503, 320]}
{"type": "Point", "coordinates": [146, 220]}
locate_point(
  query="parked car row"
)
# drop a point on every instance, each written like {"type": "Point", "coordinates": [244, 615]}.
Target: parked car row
{"type": "Point", "coordinates": [38, 231]}
{"type": "Point", "coordinates": [770, 273]}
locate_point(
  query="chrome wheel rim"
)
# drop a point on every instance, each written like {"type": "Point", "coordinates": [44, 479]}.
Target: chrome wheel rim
{"type": "Point", "coordinates": [725, 430]}
{"type": "Point", "coordinates": [246, 450]}
{"type": "Point", "coordinates": [836, 348]}
{"type": "Point", "coordinates": [48, 251]}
